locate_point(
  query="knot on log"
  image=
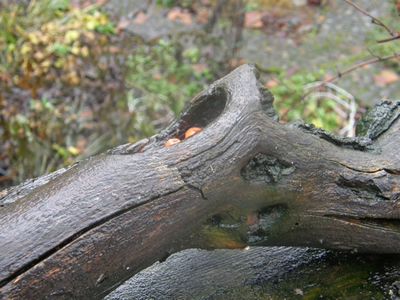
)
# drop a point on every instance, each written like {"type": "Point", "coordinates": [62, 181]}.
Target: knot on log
{"type": "Point", "coordinates": [265, 168]}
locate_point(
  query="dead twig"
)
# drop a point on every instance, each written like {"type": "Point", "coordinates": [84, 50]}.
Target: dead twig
{"type": "Point", "coordinates": [395, 37]}
{"type": "Point", "coordinates": [340, 74]}
{"type": "Point", "coordinates": [376, 20]}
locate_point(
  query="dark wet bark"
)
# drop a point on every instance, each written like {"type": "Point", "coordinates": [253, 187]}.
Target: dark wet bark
{"type": "Point", "coordinates": [243, 180]}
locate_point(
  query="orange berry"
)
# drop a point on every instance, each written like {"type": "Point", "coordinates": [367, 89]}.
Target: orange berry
{"type": "Point", "coordinates": [171, 142]}
{"type": "Point", "coordinates": [192, 131]}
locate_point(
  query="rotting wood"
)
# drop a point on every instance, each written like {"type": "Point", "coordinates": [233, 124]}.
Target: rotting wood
{"type": "Point", "coordinates": [244, 179]}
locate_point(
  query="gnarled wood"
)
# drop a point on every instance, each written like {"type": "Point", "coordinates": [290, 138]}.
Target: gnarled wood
{"type": "Point", "coordinates": [243, 180]}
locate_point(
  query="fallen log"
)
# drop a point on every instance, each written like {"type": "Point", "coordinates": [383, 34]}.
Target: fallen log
{"type": "Point", "coordinates": [244, 179]}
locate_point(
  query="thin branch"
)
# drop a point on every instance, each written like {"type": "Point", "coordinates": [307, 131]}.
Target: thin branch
{"type": "Point", "coordinates": [372, 53]}
{"type": "Point", "coordinates": [340, 74]}
{"type": "Point", "coordinates": [377, 21]}
{"type": "Point", "coordinates": [394, 37]}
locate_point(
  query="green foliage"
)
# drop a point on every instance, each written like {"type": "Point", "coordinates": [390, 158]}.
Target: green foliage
{"type": "Point", "coordinates": [48, 34]}
{"type": "Point", "coordinates": [166, 2]}
{"type": "Point", "coordinates": [44, 44]}
{"type": "Point", "coordinates": [97, 94]}
{"type": "Point", "coordinates": [33, 137]}
{"type": "Point", "coordinates": [161, 82]}
{"type": "Point", "coordinates": [320, 112]}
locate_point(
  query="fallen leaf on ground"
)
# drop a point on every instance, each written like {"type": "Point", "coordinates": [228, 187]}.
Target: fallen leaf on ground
{"type": "Point", "coordinates": [271, 83]}
{"type": "Point", "coordinates": [184, 17]}
{"type": "Point", "coordinates": [253, 19]}
{"type": "Point", "coordinates": [202, 16]}
{"type": "Point", "coordinates": [122, 24]}
{"type": "Point", "coordinates": [112, 49]}
{"type": "Point", "coordinates": [199, 68]}
{"type": "Point", "coordinates": [173, 14]}
{"type": "Point", "coordinates": [140, 18]}
{"type": "Point", "coordinates": [234, 63]}
{"type": "Point", "coordinates": [157, 76]}
{"type": "Point", "coordinates": [385, 77]}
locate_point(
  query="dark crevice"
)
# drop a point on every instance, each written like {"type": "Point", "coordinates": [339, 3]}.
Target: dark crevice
{"type": "Point", "coordinates": [164, 258]}
{"type": "Point", "coordinates": [202, 110]}
{"type": "Point", "coordinates": [199, 190]}
{"type": "Point", "coordinates": [72, 238]}
{"type": "Point", "coordinates": [393, 172]}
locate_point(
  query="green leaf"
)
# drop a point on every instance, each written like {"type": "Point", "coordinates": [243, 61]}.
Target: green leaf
{"type": "Point", "coordinates": [59, 48]}
{"type": "Point", "coordinates": [21, 119]}
{"type": "Point", "coordinates": [108, 28]}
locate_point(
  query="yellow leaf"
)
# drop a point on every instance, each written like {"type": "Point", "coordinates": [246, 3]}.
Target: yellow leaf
{"type": "Point", "coordinates": [71, 35]}
{"type": "Point", "coordinates": [15, 79]}
{"type": "Point", "coordinates": [39, 55]}
{"type": "Point", "coordinates": [75, 50]}
{"type": "Point", "coordinates": [59, 63]}
{"type": "Point", "coordinates": [85, 51]}
{"type": "Point", "coordinates": [73, 150]}
{"type": "Point", "coordinates": [75, 24]}
{"type": "Point", "coordinates": [49, 27]}
{"type": "Point", "coordinates": [102, 19]}
{"type": "Point", "coordinates": [45, 39]}
{"type": "Point", "coordinates": [46, 63]}
{"type": "Point", "coordinates": [91, 25]}
{"type": "Point", "coordinates": [25, 49]}
{"type": "Point", "coordinates": [33, 38]}
{"type": "Point", "coordinates": [317, 123]}
{"type": "Point", "coordinates": [11, 47]}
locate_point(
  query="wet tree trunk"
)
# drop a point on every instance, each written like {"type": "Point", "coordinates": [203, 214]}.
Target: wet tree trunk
{"type": "Point", "coordinates": [243, 180]}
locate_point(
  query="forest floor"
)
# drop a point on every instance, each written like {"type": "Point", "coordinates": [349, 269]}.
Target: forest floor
{"type": "Point", "coordinates": [330, 37]}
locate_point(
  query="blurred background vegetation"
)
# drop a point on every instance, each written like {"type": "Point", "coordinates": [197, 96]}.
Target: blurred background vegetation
{"type": "Point", "coordinates": [73, 84]}
{"type": "Point", "coordinates": [71, 88]}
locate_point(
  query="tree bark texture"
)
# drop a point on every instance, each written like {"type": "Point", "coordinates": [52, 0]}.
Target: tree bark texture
{"type": "Point", "coordinates": [245, 179]}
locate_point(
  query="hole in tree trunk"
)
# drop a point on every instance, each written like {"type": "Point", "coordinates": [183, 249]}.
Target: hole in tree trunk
{"type": "Point", "coordinates": [203, 110]}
